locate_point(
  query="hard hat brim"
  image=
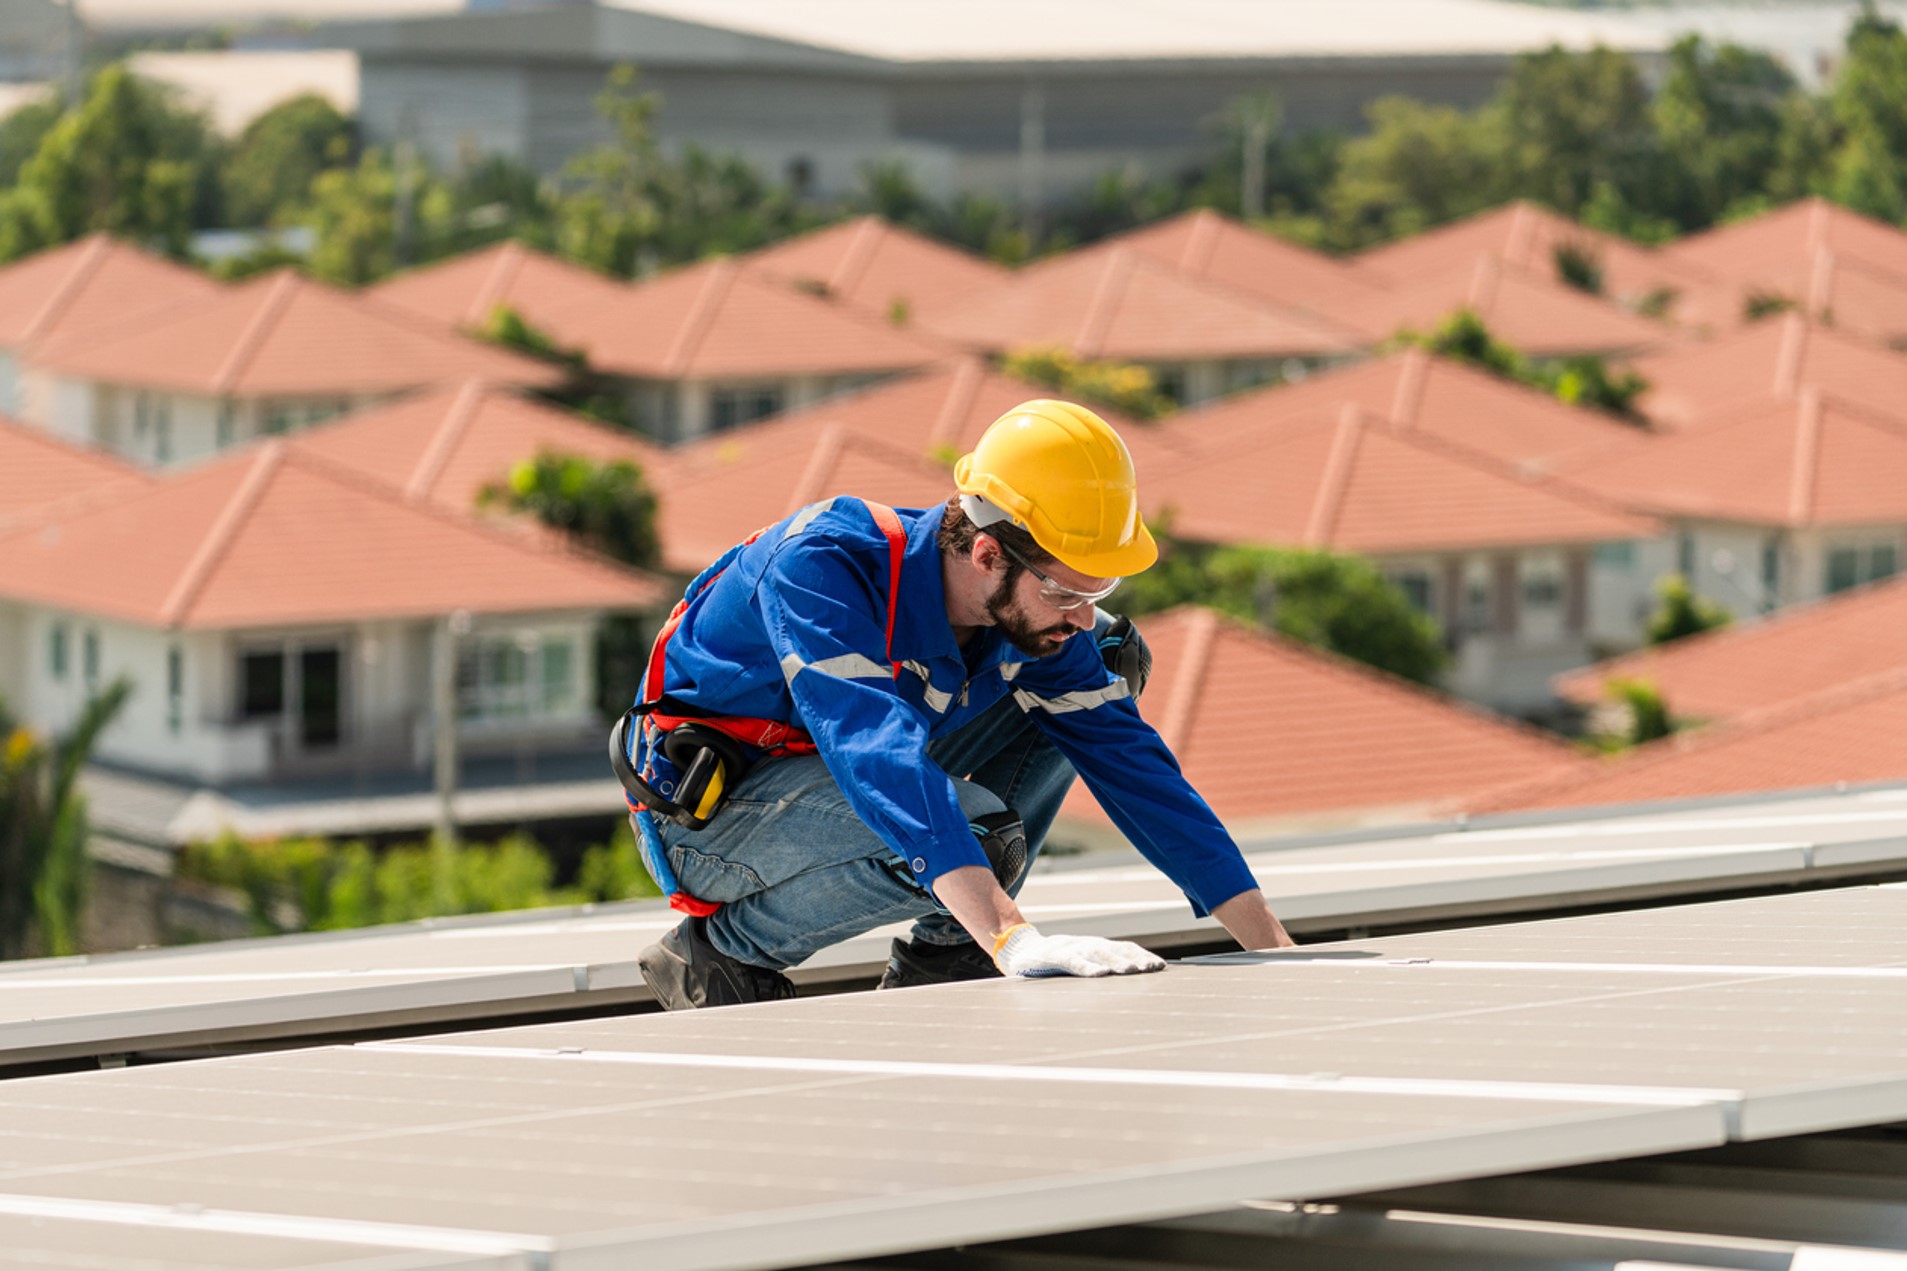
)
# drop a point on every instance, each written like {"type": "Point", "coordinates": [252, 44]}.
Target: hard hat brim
{"type": "Point", "coordinates": [1123, 561]}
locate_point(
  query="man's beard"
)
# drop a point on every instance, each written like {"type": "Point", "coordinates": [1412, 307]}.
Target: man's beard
{"type": "Point", "coordinates": [1018, 629]}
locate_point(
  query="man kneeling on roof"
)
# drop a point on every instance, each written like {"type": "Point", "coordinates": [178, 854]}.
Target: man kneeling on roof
{"type": "Point", "coordinates": [861, 716]}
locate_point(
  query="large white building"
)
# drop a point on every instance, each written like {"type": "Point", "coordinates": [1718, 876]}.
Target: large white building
{"type": "Point", "coordinates": [1027, 99]}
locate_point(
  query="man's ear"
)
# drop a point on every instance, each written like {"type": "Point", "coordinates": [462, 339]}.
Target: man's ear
{"type": "Point", "coordinates": [986, 553]}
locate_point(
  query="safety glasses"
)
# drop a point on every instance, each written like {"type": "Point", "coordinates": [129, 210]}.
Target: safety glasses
{"type": "Point", "coordinates": [1058, 595]}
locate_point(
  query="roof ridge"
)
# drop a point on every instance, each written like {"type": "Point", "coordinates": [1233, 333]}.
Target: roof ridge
{"type": "Point", "coordinates": [1823, 609]}
{"type": "Point", "coordinates": [708, 299]}
{"type": "Point", "coordinates": [496, 282]}
{"type": "Point", "coordinates": [1407, 399]}
{"type": "Point", "coordinates": [1807, 458]}
{"type": "Point", "coordinates": [1741, 728]}
{"type": "Point", "coordinates": [1794, 343]}
{"type": "Point", "coordinates": [1485, 278]}
{"type": "Point", "coordinates": [862, 244]}
{"type": "Point", "coordinates": [1194, 664]}
{"type": "Point", "coordinates": [90, 259]}
{"type": "Point", "coordinates": [445, 438]}
{"type": "Point", "coordinates": [218, 540]}
{"type": "Point", "coordinates": [827, 449]}
{"type": "Point", "coordinates": [968, 376]}
{"type": "Point", "coordinates": [1108, 291]}
{"type": "Point", "coordinates": [243, 348]}
{"type": "Point", "coordinates": [1820, 282]}
{"type": "Point", "coordinates": [1202, 242]}
{"type": "Point", "coordinates": [1335, 480]}
{"type": "Point", "coordinates": [1521, 240]}
{"type": "Point", "coordinates": [1329, 661]}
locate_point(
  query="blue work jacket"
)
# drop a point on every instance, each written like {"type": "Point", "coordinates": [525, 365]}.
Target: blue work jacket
{"type": "Point", "coordinates": [795, 630]}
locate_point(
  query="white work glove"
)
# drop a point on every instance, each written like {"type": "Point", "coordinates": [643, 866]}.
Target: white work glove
{"type": "Point", "coordinates": [1021, 950]}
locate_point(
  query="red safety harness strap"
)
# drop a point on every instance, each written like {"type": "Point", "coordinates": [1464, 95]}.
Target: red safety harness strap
{"type": "Point", "coordinates": [776, 737]}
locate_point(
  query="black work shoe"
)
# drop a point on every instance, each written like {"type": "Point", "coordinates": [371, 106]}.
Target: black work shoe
{"type": "Point", "coordinates": [685, 971]}
{"type": "Point", "coordinates": [912, 962]}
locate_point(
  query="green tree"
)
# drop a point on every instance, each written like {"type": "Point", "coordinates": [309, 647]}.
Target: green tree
{"type": "Point", "coordinates": [128, 161]}
{"type": "Point", "coordinates": [44, 867]}
{"type": "Point", "coordinates": [607, 507]}
{"type": "Point", "coordinates": [1582, 380]}
{"type": "Point", "coordinates": [1682, 613]}
{"type": "Point", "coordinates": [608, 216]}
{"type": "Point", "coordinates": [1868, 102]}
{"type": "Point", "coordinates": [1648, 712]}
{"type": "Point", "coordinates": [1418, 166]}
{"type": "Point", "coordinates": [268, 178]}
{"type": "Point", "coordinates": [1132, 390]}
{"type": "Point", "coordinates": [1339, 603]}
{"type": "Point", "coordinates": [1718, 120]}
{"type": "Point", "coordinates": [22, 132]}
{"type": "Point", "coordinates": [371, 219]}
{"type": "Point", "coordinates": [1571, 120]}
{"type": "Point", "coordinates": [509, 328]}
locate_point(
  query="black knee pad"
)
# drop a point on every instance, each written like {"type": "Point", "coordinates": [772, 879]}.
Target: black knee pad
{"type": "Point", "coordinates": [1003, 839]}
{"type": "Point", "coordinates": [1126, 653]}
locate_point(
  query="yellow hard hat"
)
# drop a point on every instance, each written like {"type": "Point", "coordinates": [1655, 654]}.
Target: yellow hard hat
{"type": "Point", "coordinates": [1061, 473]}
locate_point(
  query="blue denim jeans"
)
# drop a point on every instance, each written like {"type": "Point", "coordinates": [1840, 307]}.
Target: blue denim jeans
{"type": "Point", "coordinates": [795, 869]}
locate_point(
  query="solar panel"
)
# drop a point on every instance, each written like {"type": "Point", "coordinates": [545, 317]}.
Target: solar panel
{"type": "Point", "coordinates": [859, 1124]}
{"type": "Point", "coordinates": [495, 967]}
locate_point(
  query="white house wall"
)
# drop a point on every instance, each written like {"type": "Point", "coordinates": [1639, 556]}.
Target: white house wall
{"type": "Point", "coordinates": [15, 657]}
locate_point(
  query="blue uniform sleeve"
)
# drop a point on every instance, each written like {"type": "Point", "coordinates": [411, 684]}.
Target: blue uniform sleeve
{"type": "Point", "coordinates": [1084, 708]}
{"type": "Point", "coordinates": [826, 618]}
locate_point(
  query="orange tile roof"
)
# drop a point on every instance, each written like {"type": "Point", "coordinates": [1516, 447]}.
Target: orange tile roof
{"type": "Point", "coordinates": [717, 320]}
{"type": "Point", "coordinates": [270, 536]}
{"type": "Point", "coordinates": [1777, 356]}
{"type": "Point", "coordinates": [282, 335]}
{"type": "Point", "coordinates": [1217, 248]}
{"type": "Point", "coordinates": [447, 444]}
{"type": "Point", "coordinates": [1725, 674]}
{"type": "Point", "coordinates": [1811, 459]}
{"type": "Point", "coordinates": [1830, 288]}
{"type": "Point", "coordinates": [38, 471]}
{"type": "Point", "coordinates": [1778, 250]}
{"type": "Point", "coordinates": [1854, 733]}
{"type": "Point", "coordinates": [1347, 481]}
{"type": "Point", "coordinates": [1266, 727]}
{"type": "Point", "coordinates": [920, 418]}
{"type": "Point", "coordinates": [463, 291]}
{"type": "Point", "coordinates": [1527, 236]}
{"type": "Point", "coordinates": [706, 508]}
{"type": "Point", "coordinates": [89, 284]}
{"type": "Point", "coordinates": [1529, 311]}
{"type": "Point", "coordinates": [874, 265]}
{"type": "Point", "coordinates": [1119, 303]}
{"type": "Point", "coordinates": [1459, 404]}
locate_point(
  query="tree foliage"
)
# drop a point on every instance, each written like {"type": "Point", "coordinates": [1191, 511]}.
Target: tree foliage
{"type": "Point", "coordinates": [278, 157]}
{"type": "Point", "coordinates": [605, 506]}
{"type": "Point", "coordinates": [44, 866]}
{"type": "Point", "coordinates": [128, 161]}
{"type": "Point", "coordinates": [312, 884]}
{"type": "Point", "coordinates": [1581, 380]}
{"type": "Point", "coordinates": [1342, 604]}
{"type": "Point", "coordinates": [1680, 612]}
{"type": "Point", "coordinates": [1121, 386]}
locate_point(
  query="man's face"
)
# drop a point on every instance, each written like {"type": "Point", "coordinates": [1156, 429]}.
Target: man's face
{"type": "Point", "coordinates": [1031, 625]}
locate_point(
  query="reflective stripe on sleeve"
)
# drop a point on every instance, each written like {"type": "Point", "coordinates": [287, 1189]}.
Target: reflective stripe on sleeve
{"type": "Point", "coordinates": [805, 517]}
{"type": "Point", "coordinates": [1079, 700]}
{"type": "Point", "coordinates": [937, 700]}
{"type": "Point", "coordinates": [847, 666]}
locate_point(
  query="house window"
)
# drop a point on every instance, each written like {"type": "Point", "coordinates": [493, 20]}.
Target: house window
{"type": "Point", "coordinates": [228, 424]}
{"type": "Point", "coordinates": [279, 417]}
{"type": "Point", "coordinates": [56, 651]}
{"type": "Point", "coordinates": [162, 433]}
{"type": "Point", "coordinates": [89, 658]}
{"type": "Point", "coordinates": [1685, 555]}
{"type": "Point", "coordinates": [1616, 555]}
{"type": "Point", "coordinates": [1478, 612]}
{"type": "Point", "coordinates": [261, 685]}
{"type": "Point", "coordinates": [1543, 591]}
{"type": "Point", "coordinates": [1770, 572]}
{"type": "Point", "coordinates": [175, 689]}
{"type": "Point", "coordinates": [732, 407]}
{"type": "Point", "coordinates": [1852, 566]}
{"type": "Point", "coordinates": [1418, 589]}
{"type": "Point", "coordinates": [515, 677]}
